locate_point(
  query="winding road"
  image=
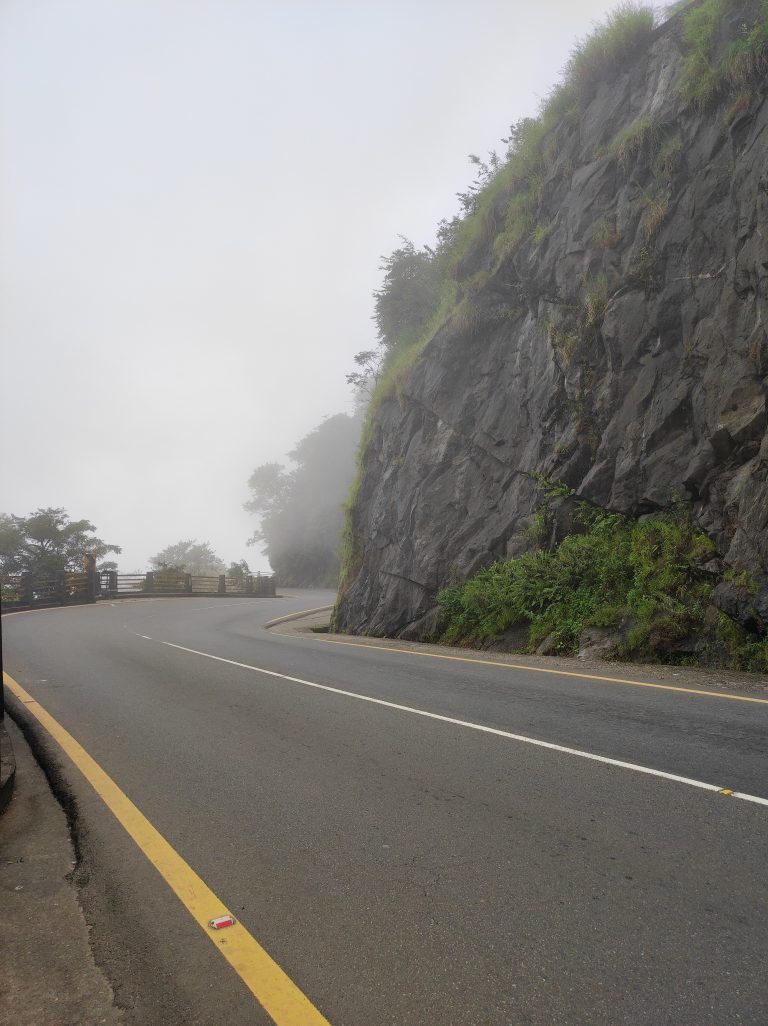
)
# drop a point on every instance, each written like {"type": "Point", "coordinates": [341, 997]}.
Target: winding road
{"type": "Point", "coordinates": [395, 845]}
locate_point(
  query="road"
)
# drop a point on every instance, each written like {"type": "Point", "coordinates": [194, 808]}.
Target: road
{"type": "Point", "coordinates": [404, 868]}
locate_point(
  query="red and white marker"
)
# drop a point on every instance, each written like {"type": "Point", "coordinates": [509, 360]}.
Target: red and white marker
{"type": "Point", "coordinates": [220, 922]}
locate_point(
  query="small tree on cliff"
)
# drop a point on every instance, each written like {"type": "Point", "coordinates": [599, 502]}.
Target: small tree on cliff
{"type": "Point", "coordinates": [408, 295]}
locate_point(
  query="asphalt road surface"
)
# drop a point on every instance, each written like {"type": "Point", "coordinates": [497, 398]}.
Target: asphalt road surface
{"type": "Point", "coordinates": [402, 868]}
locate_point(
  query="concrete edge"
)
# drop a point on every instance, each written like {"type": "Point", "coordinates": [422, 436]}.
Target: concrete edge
{"type": "Point", "coordinates": [296, 616]}
{"type": "Point", "coordinates": [7, 768]}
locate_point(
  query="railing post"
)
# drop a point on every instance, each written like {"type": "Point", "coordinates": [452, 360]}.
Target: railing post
{"type": "Point", "coordinates": [27, 589]}
{"type": "Point", "coordinates": [249, 585]}
{"type": "Point", "coordinates": [112, 581]}
{"type": "Point", "coordinates": [222, 584]}
{"type": "Point", "coordinates": [90, 577]}
{"type": "Point", "coordinates": [150, 581]}
{"type": "Point", "coordinates": [61, 587]}
{"type": "Point", "coordinates": [188, 583]}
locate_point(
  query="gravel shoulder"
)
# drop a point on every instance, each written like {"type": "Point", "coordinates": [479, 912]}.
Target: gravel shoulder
{"type": "Point", "coordinates": [752, 684]}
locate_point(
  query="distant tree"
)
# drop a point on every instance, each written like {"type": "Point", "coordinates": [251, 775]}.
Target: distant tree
{"type": "Point", "coordinates": [238, 571]}
{"type": "Point", "coordinates": [301, 509]}
{"type": "Point", "coordinates": [188, 557]}
{"type": "Point", "coordinates": [47, 542]}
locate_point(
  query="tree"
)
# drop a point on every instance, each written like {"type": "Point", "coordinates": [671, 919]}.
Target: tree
{"type": "Point", "coordinates": [364, 380]}
{"type": "Point", "coordinates": [188, 557]}
{"type": "Point", "coordinates": [301, 509]}
{"type": "Point", "coordinates": [238, 571]}
{"type": "Point", "coordinates": [409, 294]}
{"type": "Point", "coordinates": [48, 542]}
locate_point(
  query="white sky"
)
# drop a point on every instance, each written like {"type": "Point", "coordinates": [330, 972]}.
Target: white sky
{"type": "Point", "coordinates": [194, 197]}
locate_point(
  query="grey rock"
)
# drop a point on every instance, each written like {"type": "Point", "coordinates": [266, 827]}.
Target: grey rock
{"type": "Point", "coordinates": [748, 605]}
{"type": "Point", "coordinates": [548, 646]}
{"type": "Point", "coordinates": [668, 402]}
{"type": "Point", "coordinates": [599, 642]}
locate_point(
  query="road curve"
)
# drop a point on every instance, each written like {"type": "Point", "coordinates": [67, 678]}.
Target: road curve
{"type": "Point", "coordinates": [403, 868]}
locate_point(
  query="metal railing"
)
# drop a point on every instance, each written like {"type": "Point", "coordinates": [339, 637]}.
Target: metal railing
{"type": "Point", "coordinates": [161, 582]}
{"type": "Point", "coordinates": [58, 589]}
{"type": "Point", "coordinates": [35, 591]}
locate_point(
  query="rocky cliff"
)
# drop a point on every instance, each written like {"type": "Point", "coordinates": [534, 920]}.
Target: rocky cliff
{"type": "Point", "coordinates": [620, 347]}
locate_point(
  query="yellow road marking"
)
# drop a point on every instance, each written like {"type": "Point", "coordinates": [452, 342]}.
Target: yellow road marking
{"type": "Point", "coordinates": [271, 987]}
{"type": "Point", "coordinates": [545, 669]}
{"type": "Point", "coordinates": [726, 790]}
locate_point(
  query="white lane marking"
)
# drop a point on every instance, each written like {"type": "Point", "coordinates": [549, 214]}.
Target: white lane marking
{"type": "Point", "coordinates": [468, 724]}
{"type": "Point", "coordinates": [145, 636]}
{"type": "Point", "coordinates": [750, 798]}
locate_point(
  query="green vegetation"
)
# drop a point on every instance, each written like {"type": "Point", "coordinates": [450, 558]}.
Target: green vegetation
{"type": "Point", "coordinates": [745, 651]}
{"type": "Point", "coordinates": [656, 205]}
{"type": "Point", "coordinates": [542, 232]}
{"type": "Point", "coordinates": [48, 542]}
{"type": "Point", "coordinates": [604, 233]}
{"type": "Point", "coordinates": [598, 57]}
{"type": "Point", "coordinates": [711, 70]}
{"type": "Point", "coordinates": [643, 578]}
{"type": "Point", "coordinates": [668, 158]}
{"type": "Point", "coordinates": [642, 135]}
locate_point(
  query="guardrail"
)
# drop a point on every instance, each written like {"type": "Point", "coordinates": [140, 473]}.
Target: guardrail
{"type": "Point", "coordinates": [160, 582]}
{"type": "Point", "coordinates": [37, 591]}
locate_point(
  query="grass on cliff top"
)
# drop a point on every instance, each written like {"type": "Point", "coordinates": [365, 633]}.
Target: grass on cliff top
{"type": "Point", "coordinates": [506, 208]}
{"type": "Point", "coordinates": [645, 577]}
{"type": "Point", "coordinates": [710, 70]}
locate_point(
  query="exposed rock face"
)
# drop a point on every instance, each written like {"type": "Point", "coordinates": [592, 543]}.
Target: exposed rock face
{"type": "Point", "coordinates": [662, 397]}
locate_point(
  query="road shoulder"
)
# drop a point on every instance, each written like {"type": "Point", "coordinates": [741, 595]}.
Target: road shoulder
{"type": "Point", "coordinates": [49, 974]}
{"type": "Point", "coordinates": [314, 626]}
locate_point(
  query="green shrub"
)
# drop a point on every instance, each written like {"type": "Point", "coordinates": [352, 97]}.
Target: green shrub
{"type": "Point", "coordinates": [746, 59]}
{"type": "Point", "coordinates": [745, 652]}
{"type": "Point", "coordinates": [668, 158]}
{"type": "Point", "coordinates": [596, 296]}
{"type": "Point", "coordinates": [645, 574]}
{"type": "Point", "coordinates": [656, 206]}
{"type": "Point", "coordinates": [640, 136]}
{"type": "Point", "coordinates": [606, 51]}
{"type": "Point", "coordinates": [708, 72]}
{"type": "Point", "coordinates": [604, 233]}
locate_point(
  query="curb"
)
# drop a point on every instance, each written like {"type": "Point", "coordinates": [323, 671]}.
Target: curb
{"type": "Point", "coordinates": [7, 768]}
{"type": "Point", "coordinates": [296, 616]}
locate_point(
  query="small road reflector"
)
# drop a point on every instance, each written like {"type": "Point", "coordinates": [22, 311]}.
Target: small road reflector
{"type": "Point", "coordinates": [221, 921]}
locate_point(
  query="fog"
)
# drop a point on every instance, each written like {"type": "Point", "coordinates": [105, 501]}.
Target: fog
{"type": "Point", "coordinates": [194, 199]}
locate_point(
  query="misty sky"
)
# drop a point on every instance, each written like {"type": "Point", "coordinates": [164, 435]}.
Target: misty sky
{"type": "Point", "coordinates": [194, 199]}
